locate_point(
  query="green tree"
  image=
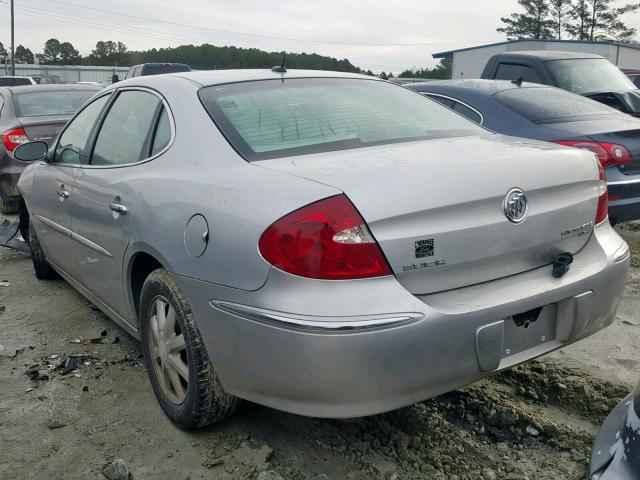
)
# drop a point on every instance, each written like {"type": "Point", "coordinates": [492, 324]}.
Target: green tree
{"type": "Point", "coordinates": [601, 20]}
{"type": "Point", "coordinates": [560, 13]}
{"type": "Point", "coordinates": [109, 53]}
{"type": "Point", "coordinates": [24, 55]}
{"type": "Point", "coordinates": [69, 55]}
{"type": "Point", "coordinates": [442, 71]}
{"type": "Point", "coordinates": [534, 23]}
{"type": "Point", "coordinates": [51, 53]}
{"type": "Point", "coordinates": [3, 51]}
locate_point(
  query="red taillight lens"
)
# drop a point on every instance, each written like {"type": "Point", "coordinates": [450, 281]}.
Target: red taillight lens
{"type": "Point", "coordinates": [327, 240]}
{"type": "Point", "coordinates": [609, 154]}
{"type": "Point", "coordinates": [603, 201]}
{"type": "Point", "coordinates": [14, 138]}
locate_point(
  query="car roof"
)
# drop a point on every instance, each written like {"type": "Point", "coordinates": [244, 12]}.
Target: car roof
{"type": "Point", "coordinates": [547, 55]}
{"type": "Point", "coordinates": [488, 87]}
{"type": "Point", "coordinates": [218, 77]}
{"type": "Point", "coordinates": [50, 88]}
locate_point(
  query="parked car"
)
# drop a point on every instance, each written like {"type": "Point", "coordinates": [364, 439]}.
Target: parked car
{"type": "Point", "coordinates": [586, 74]}
{"type": "Point", "coordinates": [27, 114]}
{"type": "Point", "coordinates": [323, 243]}
{"type": "Point", "coordinates": [14, 81]}
{"type": "Point", "coordinates": [634, 76]}
{"type": "Point", "coordinates": [45, 79]}
{"type": "Point", "coordinates": [156, 69]}
{"type": "Point", "coordinates": [546, 113]}
{"type": "Point", "coordinates": [615, 454]}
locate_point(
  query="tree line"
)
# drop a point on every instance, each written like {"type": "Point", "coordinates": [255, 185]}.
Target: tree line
{"type": "Point", "coordinates": [205, 57]}
{"type": "Point", "coordinates": [594, 20]}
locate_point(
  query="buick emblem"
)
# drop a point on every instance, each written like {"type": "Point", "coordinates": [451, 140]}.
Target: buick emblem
{"type": "Point", "coordinates": [516, 205]}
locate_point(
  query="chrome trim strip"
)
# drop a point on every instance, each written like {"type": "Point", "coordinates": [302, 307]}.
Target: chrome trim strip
{"type": "Point", "coordinates": [55, 226]}
{"type": "Point", "coordinates": [624, 182]}
{"type": "Point", "coordinates": [71, 234]}
{"type": "Point", "coordinates": [88, 243]}
{"type": "Point", "coordinates": [343, 325]}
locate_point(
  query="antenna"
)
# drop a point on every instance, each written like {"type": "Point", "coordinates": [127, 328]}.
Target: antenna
{"type": "Point", "coordinates": [281, 68]}
{"type": "Point", "coordinates": [518, 82]}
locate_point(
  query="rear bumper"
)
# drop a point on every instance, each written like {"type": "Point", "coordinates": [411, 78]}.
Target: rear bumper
{"type": "Point", "coordinates": [624, 196]}
{"type": "Point", "coordinates": [294, 344]}
{"type": "Point", "coordinates": [10, 171]}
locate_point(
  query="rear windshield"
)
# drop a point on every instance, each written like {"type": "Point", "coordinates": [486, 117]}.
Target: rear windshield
{"type": "Point", "coordinates": [34, 104]}
{"type": "Point", "coordinates": [13, 82]}
{"type": "Point", "coordinates": [275, 118]}
{"type": "Point", "coordinates": [595, 75]}
{"type": "Point", "coordinates": [547, 105]}
{"type": "Point", "coordinates": [159, 69]}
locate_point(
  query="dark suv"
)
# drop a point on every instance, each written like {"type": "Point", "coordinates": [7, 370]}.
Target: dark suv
{"type": "Point", "coordinates": [156, 69]}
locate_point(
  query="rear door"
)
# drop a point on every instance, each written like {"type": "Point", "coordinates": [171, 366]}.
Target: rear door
{"type": "Point", "coordinates": [128, 136]}
{"type": "Point", "coordinates": [53, 186]}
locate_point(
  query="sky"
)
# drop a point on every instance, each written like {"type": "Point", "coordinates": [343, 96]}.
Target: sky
{"type": "Point", "coordinates": [389, 35]}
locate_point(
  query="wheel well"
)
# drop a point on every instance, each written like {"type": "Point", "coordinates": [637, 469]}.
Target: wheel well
{"type": "Point", "coordinates": [143, 265]}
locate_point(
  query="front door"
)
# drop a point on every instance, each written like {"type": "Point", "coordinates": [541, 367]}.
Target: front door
{"type": "Point", "coordinates": [102, 203]}
{"type": "Point", "coordinates": [53, 187]}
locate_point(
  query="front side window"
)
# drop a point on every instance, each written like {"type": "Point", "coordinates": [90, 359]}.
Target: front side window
{"type": "Point", "coordinates": [14, 81]}
{"type": "Point", "coordinates": [126, 132]}
{"type": "Point", "coordinates": [274, 118]}
{"type": "Point", "coordinates": [589, 75]}
{"type": "Point", "coordinates": [34, 104]}
{"type": "Point", "coordinates": [514, 71]}
{"type": "Point", "coordinates": [71, 147]}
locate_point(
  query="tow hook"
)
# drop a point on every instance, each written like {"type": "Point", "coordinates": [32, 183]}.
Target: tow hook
{"type": "Point", "coordinates": [561, 264]}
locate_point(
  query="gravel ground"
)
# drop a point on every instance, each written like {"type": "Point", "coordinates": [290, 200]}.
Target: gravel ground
{"type": "Point", "coordinates": [71, 418]}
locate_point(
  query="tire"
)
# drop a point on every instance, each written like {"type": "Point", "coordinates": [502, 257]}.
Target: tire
{"type": "Point", "coordinates": [198, 400]}
{"type": "Point", "coordinates": [9, 206]}
{"type": "Point", "coordinates": [43, 270]}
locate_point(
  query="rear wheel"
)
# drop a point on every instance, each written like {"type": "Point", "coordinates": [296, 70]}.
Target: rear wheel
{"type": "Point", "coordinates": [40, 265]}
{"type": "Point", "coordinates": [9, 206]}
{"type": "Point", "coordinates": [181, 374]}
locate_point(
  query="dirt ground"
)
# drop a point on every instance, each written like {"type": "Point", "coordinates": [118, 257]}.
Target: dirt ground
{"type": "Point", "coordinates": [536, 421]}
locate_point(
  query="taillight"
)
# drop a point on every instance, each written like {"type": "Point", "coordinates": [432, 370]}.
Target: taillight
{"type": "Point", "coordinates": [14, 138]}
{"type": "Point", "coordinates": [609, 154]}
{"type": "Point", "coordinates": [603, 200]}
{"type": "Point", "coordinates": [327, 240]}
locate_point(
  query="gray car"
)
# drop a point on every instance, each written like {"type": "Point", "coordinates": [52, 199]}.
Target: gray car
{"type": "Point", "coordinates": [322, 243]}
{"type": "Point", "coordinates": [28, 114]}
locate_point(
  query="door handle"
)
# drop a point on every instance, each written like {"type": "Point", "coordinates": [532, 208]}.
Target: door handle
{"type": "Point", "coordinates": [120, 208]}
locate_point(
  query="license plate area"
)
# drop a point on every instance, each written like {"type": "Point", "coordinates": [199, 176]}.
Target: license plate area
{"type": "Point", "coordinates": [529, 329]}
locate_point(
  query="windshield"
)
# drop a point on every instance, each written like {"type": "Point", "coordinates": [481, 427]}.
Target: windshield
{"type": "Point", "coordinates": [545, 105]}
{"type": "Point", "coordinates": [589, 75]}
{"type": "Point", "coordinates": [275, 118]}
{"type": "Point", "coordinates": [34, 104]}
{"type": "Point", "coordinates": [13, 81]}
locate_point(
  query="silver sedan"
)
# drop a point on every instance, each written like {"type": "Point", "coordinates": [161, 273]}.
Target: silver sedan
{"type": "Point", "coordinates": [326, 244]}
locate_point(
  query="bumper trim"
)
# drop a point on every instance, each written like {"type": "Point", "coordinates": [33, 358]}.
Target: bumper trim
{"type": "Point", "coordinates": [317, 324]}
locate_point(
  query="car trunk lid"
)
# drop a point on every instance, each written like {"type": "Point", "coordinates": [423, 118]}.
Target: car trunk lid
{"type": "Point", "coordinates": [45, 128]}
{"type": "Point", "coordinates": [436, 207]}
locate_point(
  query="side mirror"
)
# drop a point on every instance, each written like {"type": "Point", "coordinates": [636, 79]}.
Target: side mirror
{"type": "Point", "coordinates": [32, 151]}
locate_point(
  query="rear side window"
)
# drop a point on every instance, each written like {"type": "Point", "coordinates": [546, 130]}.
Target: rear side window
{"type": "Point", "coordinates": [547, 105]}
{"type": "Point", "coordinates": [162, 135]}
{"type": "Point", "coordinates": [514, 71]}
{"type": "Point", "coordinates": [459, 107]}
{"type": "Point", "coordinates": [127, 129]}
{"type": "Point", "coordinates": [1, 104]}
{"type": "Point", "coordinates": [275, 118]}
